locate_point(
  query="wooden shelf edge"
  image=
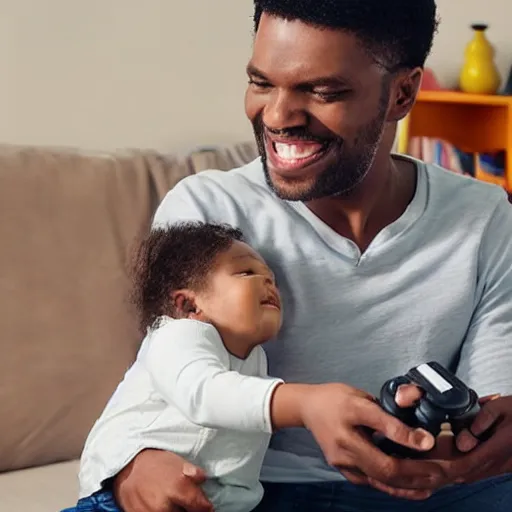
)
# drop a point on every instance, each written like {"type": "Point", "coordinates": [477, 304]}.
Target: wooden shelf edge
{"type": "Point", "coordinates": [449, 96]}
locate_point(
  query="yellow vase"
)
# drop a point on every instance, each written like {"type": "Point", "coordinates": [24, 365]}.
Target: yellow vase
{"type": "Point", "coordinates": [479, 74]}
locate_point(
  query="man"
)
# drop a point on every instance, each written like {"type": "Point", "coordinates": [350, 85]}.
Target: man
{"type": "Point", "coordinates": [383, 262]}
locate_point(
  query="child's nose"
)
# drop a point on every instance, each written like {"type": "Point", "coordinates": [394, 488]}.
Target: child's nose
{"type": "Point", "coordinates": [269, 281]}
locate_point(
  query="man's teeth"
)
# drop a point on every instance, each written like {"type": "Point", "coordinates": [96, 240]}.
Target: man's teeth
{"type": "Point", "coordinates": [295, 151]}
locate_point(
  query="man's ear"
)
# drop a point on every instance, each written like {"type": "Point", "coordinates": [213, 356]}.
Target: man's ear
{"type": "Point", "coordinates": [185, 305]}
{"type": "Point", "coordinates": [405, 89]}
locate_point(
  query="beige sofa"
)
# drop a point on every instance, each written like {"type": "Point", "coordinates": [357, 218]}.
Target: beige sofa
{"type": "Point", "coordinates": [68, 225]}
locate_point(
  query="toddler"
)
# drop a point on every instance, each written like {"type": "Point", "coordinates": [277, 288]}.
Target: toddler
{"type": "Point", "coordinates": [199, 386]}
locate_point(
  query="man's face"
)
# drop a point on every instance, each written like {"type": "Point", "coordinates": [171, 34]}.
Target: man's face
{"type": "Point", "coordinates": [318, 106]}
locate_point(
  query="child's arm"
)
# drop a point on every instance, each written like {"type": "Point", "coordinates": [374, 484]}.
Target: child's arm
{"type": "Point", "coordinates": [188, 364]}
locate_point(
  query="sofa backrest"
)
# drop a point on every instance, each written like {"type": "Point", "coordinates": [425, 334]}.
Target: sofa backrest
{"type": "Point", "coordinates": [68, 224]}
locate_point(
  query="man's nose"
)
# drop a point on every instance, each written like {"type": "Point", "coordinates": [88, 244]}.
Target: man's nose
{"type": "Point", "coordinates": [284, 110]}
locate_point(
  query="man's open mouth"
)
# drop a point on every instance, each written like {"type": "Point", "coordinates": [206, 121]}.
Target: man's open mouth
{"type": "Point", "coordinates": [296, 154]}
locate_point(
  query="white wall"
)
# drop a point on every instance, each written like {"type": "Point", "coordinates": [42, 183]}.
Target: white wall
{"type": "Point", "coordinates": [164, 74]}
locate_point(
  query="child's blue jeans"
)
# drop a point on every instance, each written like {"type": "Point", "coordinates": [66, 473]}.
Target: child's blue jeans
{"type": "Point", "coordinates": [100, 502]}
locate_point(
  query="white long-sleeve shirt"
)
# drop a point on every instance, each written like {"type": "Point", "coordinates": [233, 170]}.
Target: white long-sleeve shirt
{"type": "Point", "coordinates": [187, 394]}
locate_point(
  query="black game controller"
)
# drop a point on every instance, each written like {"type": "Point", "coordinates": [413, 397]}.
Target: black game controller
{"type": "Point", "coordinates": [446, 399]}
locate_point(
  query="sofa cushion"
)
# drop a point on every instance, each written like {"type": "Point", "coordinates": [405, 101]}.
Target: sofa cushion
{"type": "Point", "coordinates": [46, 489]}
{"type": "Point", "coordinates": [68, 223]}
{"type": "Point", "coordinates": [222, 158]}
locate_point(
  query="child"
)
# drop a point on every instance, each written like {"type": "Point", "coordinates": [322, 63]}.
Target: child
{"type": "Point", "coordinates": [199, 384]}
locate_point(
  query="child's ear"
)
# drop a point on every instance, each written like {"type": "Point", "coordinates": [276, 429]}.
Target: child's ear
{"type": "Point", "coordinates": [185, 305]}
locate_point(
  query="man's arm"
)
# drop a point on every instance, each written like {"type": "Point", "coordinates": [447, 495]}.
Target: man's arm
{"type": "Point", "coordinates": [188, 365]}
{"type": "Point", "coordinates": [486, 355]}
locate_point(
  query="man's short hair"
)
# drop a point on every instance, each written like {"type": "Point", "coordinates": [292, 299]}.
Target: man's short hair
{"type": "Point", "coordinates": [397, 33]}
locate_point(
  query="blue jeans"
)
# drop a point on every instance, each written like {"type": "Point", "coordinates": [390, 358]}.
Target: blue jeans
{"type": "Point", "coordinates": [492, 495]}
{"type": "Point", "coordinates": [102, 501]}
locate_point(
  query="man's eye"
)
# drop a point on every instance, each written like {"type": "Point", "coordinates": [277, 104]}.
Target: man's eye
{"type": "Point", "coordinates": [329, 96]}
{"type": "Point", "coordinates": [259, 85]}
{"type": "Point", "coordinates": [247, 273]}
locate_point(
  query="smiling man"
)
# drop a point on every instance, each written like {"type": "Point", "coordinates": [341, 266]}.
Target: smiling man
{"type": "Point", "coordinates": [383, 261]}
{"type": "Point", "coordinates": [302, 161]}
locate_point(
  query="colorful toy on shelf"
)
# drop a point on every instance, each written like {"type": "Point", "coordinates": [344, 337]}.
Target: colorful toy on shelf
{"type": "Point", "coordinates": [479, 74]}
{"type": "Point", "coordinates": [430, 81]}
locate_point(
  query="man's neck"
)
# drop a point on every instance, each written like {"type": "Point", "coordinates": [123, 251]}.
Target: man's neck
{"type": "Point", "coordinates": [380, 200]}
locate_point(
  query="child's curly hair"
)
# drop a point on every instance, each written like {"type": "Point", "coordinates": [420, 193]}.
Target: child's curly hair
{"type": "Point", "coordinates": [176, 257]}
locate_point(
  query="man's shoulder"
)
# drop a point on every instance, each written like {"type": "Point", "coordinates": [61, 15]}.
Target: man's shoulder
{"type": "Point", "coordinates": [453, 193]}
{"type": "Point", "coordinates": [246, 179]}
{"type": "Point", "coordinates": [219, 196]}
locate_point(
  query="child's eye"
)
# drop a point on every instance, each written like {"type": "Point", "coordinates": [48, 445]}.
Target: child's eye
{"type": "Point", "coordinates": [247, 273]}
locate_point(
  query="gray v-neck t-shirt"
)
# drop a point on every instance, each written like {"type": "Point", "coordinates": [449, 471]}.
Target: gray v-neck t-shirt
{"type": "Point", "coordinates": [436, 284]}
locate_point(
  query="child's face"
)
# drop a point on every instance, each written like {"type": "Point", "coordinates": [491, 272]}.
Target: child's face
{"type": "Point", "coordinates": [241, 298]}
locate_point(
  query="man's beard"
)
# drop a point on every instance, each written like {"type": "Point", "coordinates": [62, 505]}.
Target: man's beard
{"type": "Point", "coordinates": [338, 179]}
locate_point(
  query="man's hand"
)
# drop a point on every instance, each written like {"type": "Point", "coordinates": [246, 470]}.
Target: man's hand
{"type": "Point", "coordinates": [492, 457]}
{"type": "Point", "coordinates": [158, 481]}
{"type": "Point", "coordinates": [342, 420]}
